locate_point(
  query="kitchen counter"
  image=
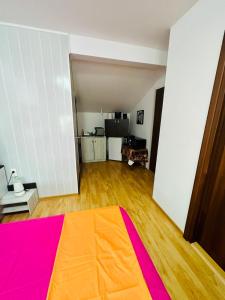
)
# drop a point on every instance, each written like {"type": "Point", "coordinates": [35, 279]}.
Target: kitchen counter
{"type": "Point", "coordinates": [92, 136]}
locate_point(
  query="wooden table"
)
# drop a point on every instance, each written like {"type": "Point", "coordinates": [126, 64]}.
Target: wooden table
{"type": "Point", "coordinates": [135, 155]}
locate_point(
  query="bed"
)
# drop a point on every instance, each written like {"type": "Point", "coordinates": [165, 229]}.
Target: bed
{"type": "Point", "coordinates": [94, 254]}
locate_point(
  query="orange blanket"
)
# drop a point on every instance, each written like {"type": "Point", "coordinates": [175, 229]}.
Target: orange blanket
{"type": "Point", "coordinates": [95, 259]}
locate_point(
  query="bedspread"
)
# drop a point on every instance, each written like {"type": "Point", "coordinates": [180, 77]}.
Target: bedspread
{"type": "Point", "coordinates": [94, 254]}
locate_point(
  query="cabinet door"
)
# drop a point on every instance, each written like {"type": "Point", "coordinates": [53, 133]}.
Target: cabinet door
{"type": "Point", "coordinates": [100, 149]}
{"type": "Point", "coordinates": [87, 148]}
{"type": "Point", "coordinates": [114, 148]}
{"type": "Point", "coordinates": [116, 127]}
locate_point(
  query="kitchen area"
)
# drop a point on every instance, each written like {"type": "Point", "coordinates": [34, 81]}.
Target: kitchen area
{"type": "Point", "coordinates": [104, 142]}
{"type": "Point", "coordinates": [107, 124]}
{"type": "Point", "coordinates": [110, 141]}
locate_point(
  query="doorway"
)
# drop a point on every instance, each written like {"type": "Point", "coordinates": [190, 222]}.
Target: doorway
{"type": "Point", "coordinates": [75, 126]}
{"type": "Point", "coordinates": [156, 128]}
{"type": "Point", "coordinates": [206, 217]}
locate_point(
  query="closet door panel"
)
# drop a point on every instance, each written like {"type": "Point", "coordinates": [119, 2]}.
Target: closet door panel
{"type": "Point", "coordinates": [87, 149]}
{"type": "Point", "coordinates": [100, 148]}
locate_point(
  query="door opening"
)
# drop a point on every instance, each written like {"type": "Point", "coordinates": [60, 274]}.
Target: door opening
{"type": "Point", "coordinates": [156, 128]}
{"type": "Point", "coordinates": [75, 127]}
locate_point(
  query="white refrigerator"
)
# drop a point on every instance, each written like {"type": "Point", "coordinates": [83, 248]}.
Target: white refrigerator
{"type": "Point", "coordinates": [114, 148]}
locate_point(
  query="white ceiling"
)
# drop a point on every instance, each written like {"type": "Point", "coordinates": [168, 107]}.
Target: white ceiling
{"type": "Point", "coordinates": [142, 22]}
{"type": "Point", "coordinates": [111, 86]}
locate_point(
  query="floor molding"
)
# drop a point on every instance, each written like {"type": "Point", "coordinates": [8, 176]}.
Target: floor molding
{"type": "Point", "coordinates": [58, 196]}
{"type": "Point", "coordinates": [209, 261]}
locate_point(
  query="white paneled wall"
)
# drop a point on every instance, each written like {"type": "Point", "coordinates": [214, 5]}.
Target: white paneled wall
{"type": "Point", "coordinates": [36, 121]}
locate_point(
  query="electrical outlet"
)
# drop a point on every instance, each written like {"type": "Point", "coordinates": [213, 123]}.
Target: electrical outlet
{"type": "Point", "coordinates": [14, 172]}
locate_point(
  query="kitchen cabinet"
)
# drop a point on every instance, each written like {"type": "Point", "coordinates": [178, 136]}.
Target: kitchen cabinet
{"type": "Point", "coordinates": [93, 148]}
{"type": "Point", "coordinates": [116, 127]}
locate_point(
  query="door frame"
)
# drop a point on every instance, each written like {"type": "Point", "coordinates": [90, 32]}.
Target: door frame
{"type": "Point", "coordinates": [192, 227]}
{"type": "Point", "coordinates": [156, 125]}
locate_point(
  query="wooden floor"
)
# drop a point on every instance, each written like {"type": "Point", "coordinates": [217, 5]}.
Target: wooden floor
{"type": "Point", "coordinates": [186, 274]}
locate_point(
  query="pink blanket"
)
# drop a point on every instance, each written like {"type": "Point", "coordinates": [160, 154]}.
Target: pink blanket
{"type": "Point", "coordinates": [27, 255]}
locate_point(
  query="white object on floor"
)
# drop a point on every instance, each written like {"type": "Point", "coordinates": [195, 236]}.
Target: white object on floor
{"type": "Point", "coordinates": [114, 148]}
{"type": "Point", "coordinates": [23, 203]}
{"type": "Point", "coordinates": [130, 162]}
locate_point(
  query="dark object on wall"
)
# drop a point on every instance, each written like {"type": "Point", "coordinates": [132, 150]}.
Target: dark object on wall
{"type": "Point", "coordinates": [206, 217]}
{"type": "Point", "coordinates": [124, 116]}
{"type": "Point", "coordinates": [140, 117]}
{"type": "Point", "coordinates": [116, 127]}
{"type": "Point", "coordinates": [156, 128]}
{"type": "Point", "coordinates": [118, 115]}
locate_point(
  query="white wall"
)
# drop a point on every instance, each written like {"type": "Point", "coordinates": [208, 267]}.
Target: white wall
{"type": "Point", "coordinates": [83, 45]}
{"type": "Point", "coordinates": [111, 87]}
{"type": "Point", "coordinates": [148, 105]}
{"type": "Point", "coordinates": [194, 48]}
{"type": "Point", "coordinates": [36, 125]}
{"type": "Point", "coordinates": [89, 120]}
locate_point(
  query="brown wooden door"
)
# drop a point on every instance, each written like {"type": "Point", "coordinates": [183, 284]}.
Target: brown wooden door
{"type": "Point", "coordinates": [212, 225]}
{"type": "Point", "coordinates": [156, 127]}
{"type": "Point", "coordinates": [206, 217]}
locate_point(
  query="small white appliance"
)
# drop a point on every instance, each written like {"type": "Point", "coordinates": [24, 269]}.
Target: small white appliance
{"type": "Point", "coordinates": [18, 186]}
{"type": "Point", "coordinates": [114, 148]}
